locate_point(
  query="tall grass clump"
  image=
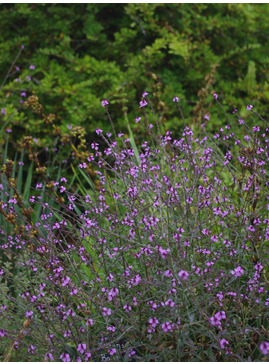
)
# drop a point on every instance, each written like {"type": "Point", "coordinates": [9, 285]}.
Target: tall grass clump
{"type": "Point", "coordinates": [165, 259]}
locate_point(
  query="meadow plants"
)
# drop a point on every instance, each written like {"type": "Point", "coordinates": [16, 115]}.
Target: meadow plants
{"type": "Point", "coordinates": [165, 259]}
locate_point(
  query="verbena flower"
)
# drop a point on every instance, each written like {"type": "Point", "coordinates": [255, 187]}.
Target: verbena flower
{"type": "Point", "coordinates": [264, 347]}
{"type": "Point", "coordinates": [183, 275]}
{"type": "Point", "coordinates": [104, 102]}
{"type": "Point", "coordinates": [144, 94]}
{"type": "Point", "coordinates": [81, 348]}
{"type": "Point", "coordinates": [65, 357]}
{"type": "Point", "coordinates": [143, 103]}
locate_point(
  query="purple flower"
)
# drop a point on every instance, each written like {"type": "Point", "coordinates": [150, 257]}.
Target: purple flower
{"type": "Point", "coordinates": [104, 102]}
{"type": "Point", "coordinates": [131, 353]}
{"type": "Point", "coordinates": [98, 131]}
{"type": "Point", "coordinates": [3, 111]}
{"type": "Point", "coordinates": [48, 356]}
{"type": "Point", "coordinates": [106, 311]}
{"type": "Point", "coordinates": [183, 274]}
{"type": "Point", "coordinates": [249, 107]}
{"type": "Point", "coordinates": [29, 314]}
{"type": "Point", "coordinates": [28, 78]}
{"type": "Point", "coordinates": [23, 94]}
{"type": "Point", "coordinates": [81, 348]}
{"type": "Point", "coordinates": [62, 189]}
{"type": "Point", "coordinates": [2, 333]}
{"type": "Point", "coordinates": [215, 96]}
{"type": "Point", "coordinates": [143, 103]}
{"type": "Point", "coordinates": [32, 67]}
{"type": "Point", "coordinates": [127, 308]}
{"type": "Point", "coordinates": [65, 281]}
{"type": "Point", "coordinates": [234, 111]}
{"type": "Point", "coordinates": [214, 321]}
{"type": "Point", "coordinates": [223, 342]}
{"type": "Point", "coordinates": [206, 117]}
{"type": "Point", "coordinates": [238, 271]}
{"type": "Point", "coordinates": [221, 315]}
{"type": "Point", "coordinates": [175, 99]}
{"type": "Point", "coordinates": [22, 46]}
{"type": "Point", "coordinates": [144, 94]}
{"type": "Point", "coordinates": [83, 165]}
{"type": "Point", "coordinates": [112, 351]}
{"type": "Point", "coordinates": [264, 347]}
{"type": "Point", "coordinates": [69, 127]}
{"type": "Point", "coordinates": [170, 303]}
{"type": "Point", "coordinates": [153, 321]}
{"type": "Point", "coordinates": [65, 357]}
{"type": "Point", "coordinates": [167, 326]}
{"type": "Point", "coordinates": [31, 349]}
{"type": "Point", "coordinates": [138, 119]}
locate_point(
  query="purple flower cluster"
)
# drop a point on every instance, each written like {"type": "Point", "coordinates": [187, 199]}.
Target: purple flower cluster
{"type": "Point", "coordinates": [174, 236]}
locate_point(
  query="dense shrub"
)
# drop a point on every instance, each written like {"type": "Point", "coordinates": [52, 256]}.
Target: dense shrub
{"type": "Point", "coordinates": [84, 52]}
{"type": "Point", "coordinates": [166, 259]}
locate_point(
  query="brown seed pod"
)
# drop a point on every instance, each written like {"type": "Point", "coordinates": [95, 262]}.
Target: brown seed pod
{"type": "Point", "coordinates": [26, 323]}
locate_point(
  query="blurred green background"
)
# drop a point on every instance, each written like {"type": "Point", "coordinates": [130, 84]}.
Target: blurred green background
{"type": "Point", "coordinates": [84, 53]}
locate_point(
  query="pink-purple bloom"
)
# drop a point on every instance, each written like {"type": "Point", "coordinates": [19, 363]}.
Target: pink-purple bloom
{"type": "Point", "coordinates": [106, 311]}
{"type": "Point", "coordinates": [183, 274]}
{"type": "Point", "coordinates": [81, 348]}
{"type": "Point", "coordinates": [144, 94]}
{"type": "Point", "coordinates": [112, 351]}
{"type": "Point", "coordinates": [104, 102]}
{"type": "Point", "coordinates": [175, 99]}
{"type": "Point", "coordinates": [29, 314]}
{"type": "Point", "coordinates": [223, 343]}
{"type": "Point", "coordinates": [143, 103]}
{"type": "Point", "coordinates": [249, 107]}
{"type": "Point", "coordinates": [238, 271]}
{"type": "Point", "coordinates": [264, 347]}
{"type": "Point", "coordinates": [65, 357]}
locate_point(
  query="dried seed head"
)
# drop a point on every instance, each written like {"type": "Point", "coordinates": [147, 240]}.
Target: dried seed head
{"type": "Point", "coordinates": [26, 323]}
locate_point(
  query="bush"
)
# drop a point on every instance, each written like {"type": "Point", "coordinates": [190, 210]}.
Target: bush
{"type": "Point", "coordinates": [165, 259]}
{"type": "Point", "coordinates": [83, 53]}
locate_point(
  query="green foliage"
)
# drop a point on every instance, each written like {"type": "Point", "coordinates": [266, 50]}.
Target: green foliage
{"type": "Point", "coordinates": [84, 53]}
